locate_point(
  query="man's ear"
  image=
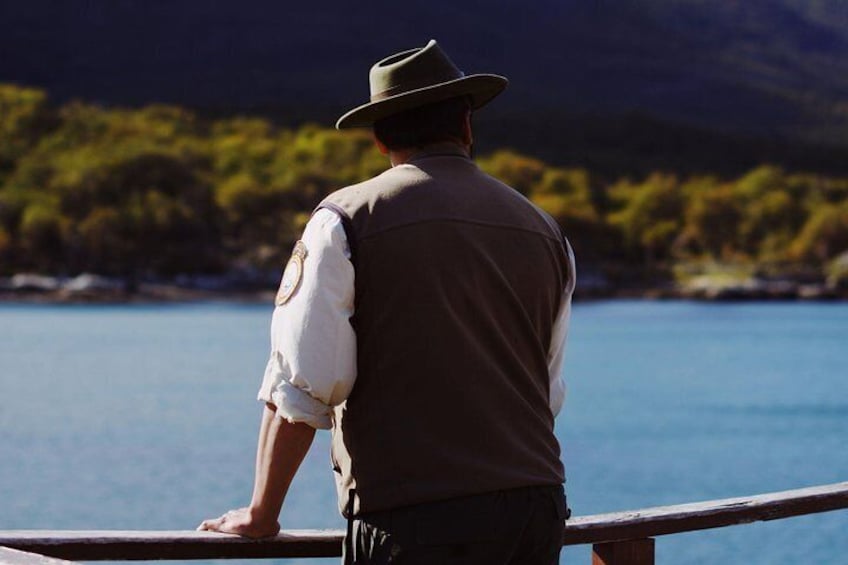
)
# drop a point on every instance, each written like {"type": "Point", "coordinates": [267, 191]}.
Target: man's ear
{"type": "Point", "coordinates": [467, 135]}
{"type": "Point", "coordinates": [380, 145]}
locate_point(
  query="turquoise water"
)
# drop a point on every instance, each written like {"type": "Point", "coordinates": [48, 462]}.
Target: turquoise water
{"type": "Point", "coordinates": [143, 417]}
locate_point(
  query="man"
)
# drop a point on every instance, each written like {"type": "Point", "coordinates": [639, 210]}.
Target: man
{"type": "Point", "coordinates": [423, 317]}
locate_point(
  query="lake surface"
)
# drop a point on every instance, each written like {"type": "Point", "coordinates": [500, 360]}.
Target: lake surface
{"type": "Point", "coordinates": [144, 417]}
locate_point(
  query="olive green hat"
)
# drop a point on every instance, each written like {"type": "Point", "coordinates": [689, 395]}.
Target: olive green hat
{"type": "Point", "coordinates": [415, 78]}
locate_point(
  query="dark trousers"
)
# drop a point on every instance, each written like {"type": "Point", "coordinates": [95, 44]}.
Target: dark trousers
{"type": "Point", "coordinates": [511, 527]}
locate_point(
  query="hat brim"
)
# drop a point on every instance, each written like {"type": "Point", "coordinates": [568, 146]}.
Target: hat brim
{"type": "Point", "coordinates": [482, 88]}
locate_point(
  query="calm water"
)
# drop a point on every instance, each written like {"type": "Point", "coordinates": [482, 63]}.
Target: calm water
{"type": "Point", "coordinates": [145, 418]}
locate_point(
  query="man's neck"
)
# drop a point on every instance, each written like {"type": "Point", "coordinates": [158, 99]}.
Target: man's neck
{"type": "Point", "coordinates": [401, 156]}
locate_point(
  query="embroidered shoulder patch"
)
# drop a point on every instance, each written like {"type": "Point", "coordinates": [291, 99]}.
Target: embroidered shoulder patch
{"type": "Point", "coordinates": [292, 274]}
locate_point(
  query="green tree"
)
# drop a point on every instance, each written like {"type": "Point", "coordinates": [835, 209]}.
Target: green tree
{"type": "Point", "coordinates": [824, 236]}
{"type": "Point", "coordinates": [42, 234]}
{"type": "Point", "coordinates": [769, 225]}
{"type": "Point", "coordinates": [712, 220]}
{"type": "Point", "coordinates": [24, 118]}
{"type": "Point", "coordinates": [518, 171]}
{"type": "Point", "coordinates": [567, 196]}
{"type": "Point", "coordinates": [106, 242]}
{"type": "Point", "coordinates": [649, 216]}
{"type": "Point", "coordinates": [770, 212]}
{"type": "Point", "coordinates": [6, 250]}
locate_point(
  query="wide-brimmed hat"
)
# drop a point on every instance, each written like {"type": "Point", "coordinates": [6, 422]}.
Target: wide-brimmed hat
{"type": "Point", "coordinates": [415, 78]}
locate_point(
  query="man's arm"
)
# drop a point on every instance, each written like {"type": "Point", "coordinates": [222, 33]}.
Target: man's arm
{"type": "Point", "coordinates": [280, 450]}
{"type": "Point", "coordinates": [312, 368]}
{"type": "Point", "coordinates": [556, 353]}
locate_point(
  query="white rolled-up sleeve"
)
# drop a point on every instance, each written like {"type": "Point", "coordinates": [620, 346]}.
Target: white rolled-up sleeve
{"type": "Point", "coordinates": [559, 335]}
{"type": "Point", "coordinates": [312, 366]}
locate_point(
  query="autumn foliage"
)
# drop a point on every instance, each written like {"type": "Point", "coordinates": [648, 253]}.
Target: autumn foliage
{"type": "Point", "coordinates": [157, 191]}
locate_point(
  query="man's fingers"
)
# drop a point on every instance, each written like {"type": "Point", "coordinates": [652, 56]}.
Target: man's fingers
{"type": "Point", "coordinates": [211, 525]}
{"type": "Point", "coordinates": [204, 526]}
{"type": "Point", "coordinates": [238, 522]}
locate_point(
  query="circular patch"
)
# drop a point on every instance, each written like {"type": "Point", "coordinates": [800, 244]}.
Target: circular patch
{"type": "Point", "coordinates": [292, 274]}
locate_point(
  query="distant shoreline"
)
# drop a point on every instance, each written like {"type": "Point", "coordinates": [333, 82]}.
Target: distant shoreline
{"type": "Point", "coordinates": [168, 294]}
{"type": "Point", "coordinates": [88, 288]}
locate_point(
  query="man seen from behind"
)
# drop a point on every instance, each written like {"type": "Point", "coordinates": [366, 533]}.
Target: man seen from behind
{"type": "Point", "coordinates": [422, 317]}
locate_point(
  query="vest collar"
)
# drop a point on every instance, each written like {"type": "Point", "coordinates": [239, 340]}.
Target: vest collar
{"type": "Point", "coordinates": [438, 150]}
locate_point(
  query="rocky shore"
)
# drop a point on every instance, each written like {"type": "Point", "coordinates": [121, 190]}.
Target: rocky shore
{"type": "Point", "coordinates": [260, 288]}
{"type": "Point", "coordinates": [761, 289]}
{"type": "Point", "coordinates": [93, 289]}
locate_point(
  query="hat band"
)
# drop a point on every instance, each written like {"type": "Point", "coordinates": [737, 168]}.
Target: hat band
{"type": "Point", "coordinates": [408, 86]}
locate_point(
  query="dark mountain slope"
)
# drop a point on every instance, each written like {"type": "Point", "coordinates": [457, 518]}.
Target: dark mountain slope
{"type": "Point", "coordinates": [774, 70]}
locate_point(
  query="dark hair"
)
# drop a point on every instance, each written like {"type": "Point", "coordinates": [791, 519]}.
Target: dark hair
{"type": "Point", "coordinates": [433, 123]}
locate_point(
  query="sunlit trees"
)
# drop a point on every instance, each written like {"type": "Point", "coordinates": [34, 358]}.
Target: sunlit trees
{"type": "Point", "coordinates": [24, 118]}
{"type": "Point", "coordinates": [157, 191]}
{"type": "Point", "coordinates": [771, 212]}
{"type": "Point", "coordinates": [521, 172]}
{"type": "Point", "coordinates": [565, 194]}
{"type": "Point", "coordinates": [120, 192]}
{"type": "Point", "coordinates": [268, 181]}
{"type": "Point", "coordinates": [42, 231]}
{"type": "Point", "coordinates": [712, 220]}
{"type": "Point", "coordinates": [650, 215]}
{"type": "Point", "coordinates": [825, 234]}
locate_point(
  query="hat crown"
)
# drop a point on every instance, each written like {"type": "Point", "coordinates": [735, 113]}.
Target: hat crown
{"type": "Point", "coordinates": [411, 70]}
{"type": "Point", "coordinates": [415, 78]}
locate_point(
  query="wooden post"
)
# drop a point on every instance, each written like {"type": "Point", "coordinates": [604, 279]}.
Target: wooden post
{"type": "Point", "coordinates": [628, 552]}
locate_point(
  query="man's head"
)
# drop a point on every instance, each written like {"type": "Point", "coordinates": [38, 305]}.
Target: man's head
{"type": "Point", "coordinates": [404, 85]}
{"type": "Point", "coordinates": [445, 121]}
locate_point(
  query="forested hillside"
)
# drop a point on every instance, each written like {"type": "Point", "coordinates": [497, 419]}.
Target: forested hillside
{"type": "Point", "coordinates": [157, 191]}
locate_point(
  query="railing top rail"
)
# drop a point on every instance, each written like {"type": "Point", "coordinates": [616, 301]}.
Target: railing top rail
{"type": "Point", "coordinates": [97, 545]}
{"type": "Point", "coordinates": [662, 520]}
{"type": "Point", "coordinates": [599, 528]}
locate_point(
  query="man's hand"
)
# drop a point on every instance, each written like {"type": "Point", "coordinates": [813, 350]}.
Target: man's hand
{"type": "Point", "coordinates": [242, 522]}
{"type": "Point", "coordinates": [281, 448]}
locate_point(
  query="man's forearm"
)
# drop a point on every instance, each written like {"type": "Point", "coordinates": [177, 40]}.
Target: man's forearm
{"type": "Point", "coordinates": [280, 450]}
{"type": "Point", "coordinates": [279, 453]}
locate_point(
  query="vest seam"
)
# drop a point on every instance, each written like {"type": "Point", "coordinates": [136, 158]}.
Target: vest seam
{"type": "Point", "coordinates": [461, 221]}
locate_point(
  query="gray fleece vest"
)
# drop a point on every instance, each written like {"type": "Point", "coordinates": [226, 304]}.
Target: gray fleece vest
{"type": "Point", "coordinates": [459, 280]}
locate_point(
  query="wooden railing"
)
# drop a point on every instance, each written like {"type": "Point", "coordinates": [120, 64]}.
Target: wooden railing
{"type": "Point", "coordinates": [619, 538]}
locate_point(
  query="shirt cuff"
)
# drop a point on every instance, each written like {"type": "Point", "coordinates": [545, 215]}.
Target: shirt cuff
{"type": "Point", "coordinates": [294, 405]}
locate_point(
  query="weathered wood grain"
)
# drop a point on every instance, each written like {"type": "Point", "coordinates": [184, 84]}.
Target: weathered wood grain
{"type": "Point", "coordinates": [153, 545]}
{"type": "Point", "coordinates": [663, 520]}
{"type": "Point", "coordinates": [595, 529]}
